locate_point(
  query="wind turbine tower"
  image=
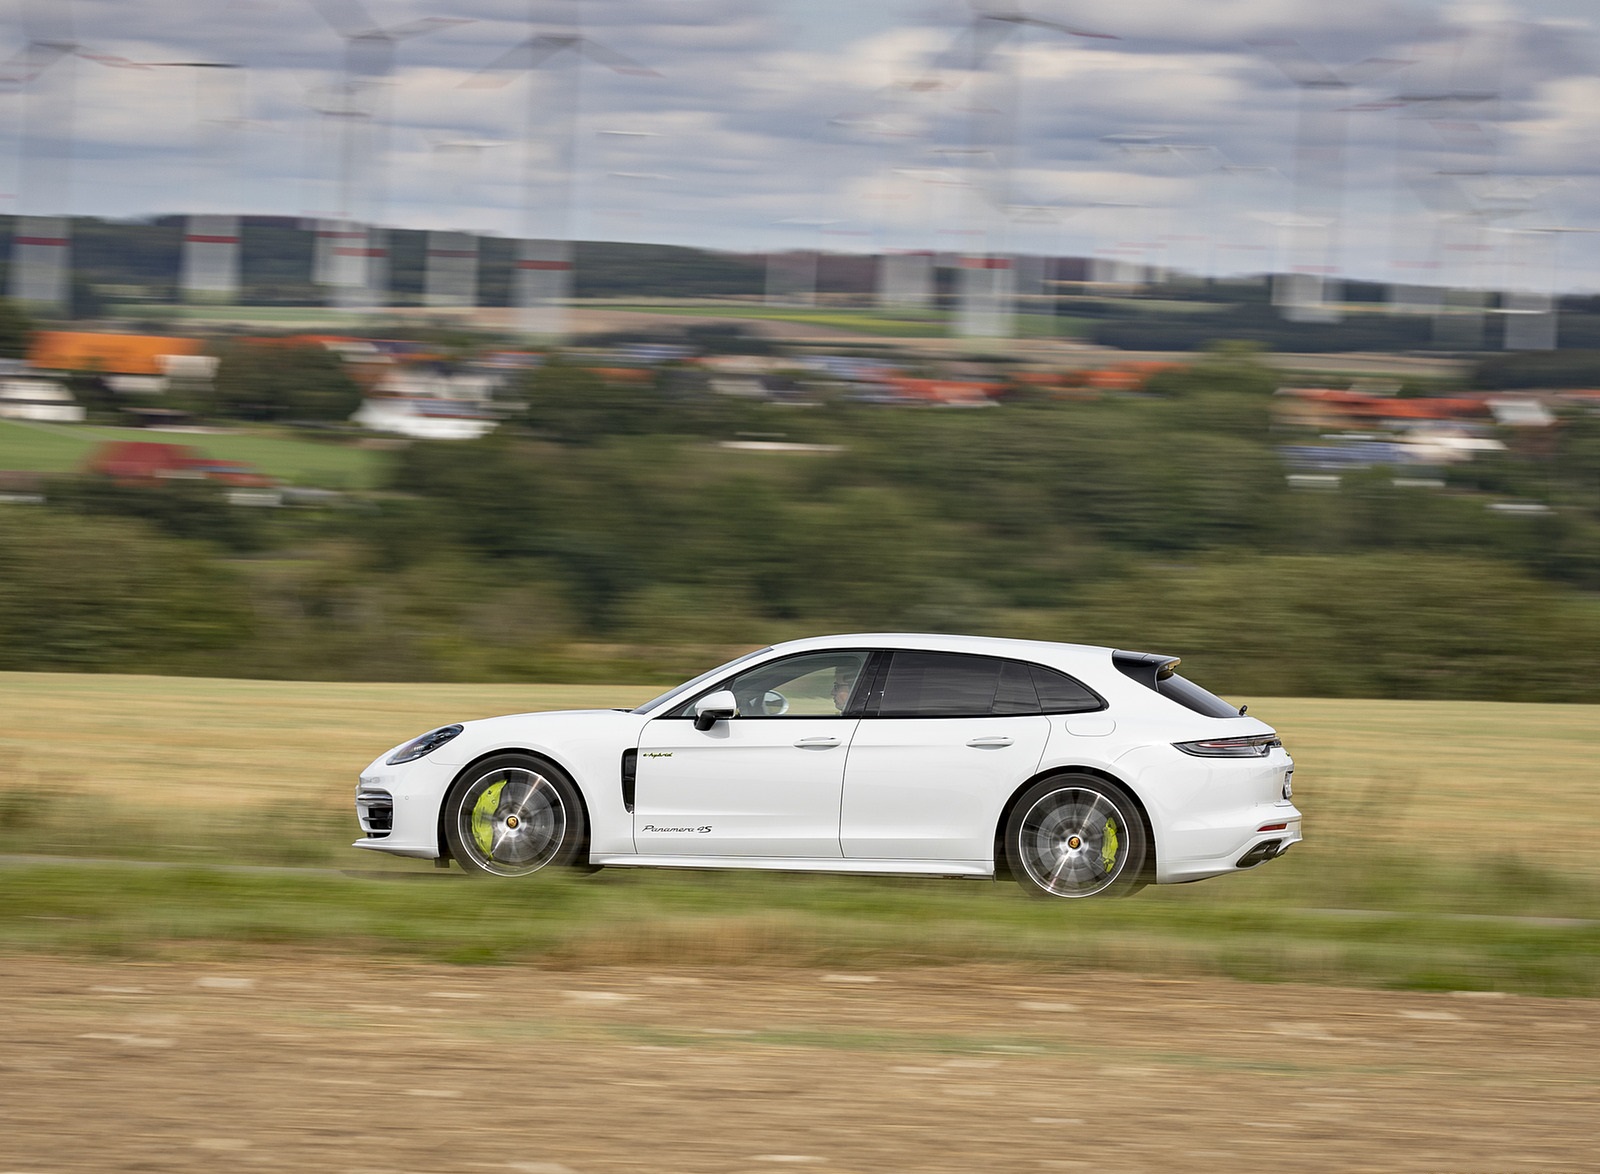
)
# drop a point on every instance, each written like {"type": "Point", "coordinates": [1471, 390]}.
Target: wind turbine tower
{"type": "Point", "coordinates": [543, 276]}
{"type": "Point", "coordinates": [41, 240]}
{"type": "Point", "coordinates": [210, 271]}
{"type": "Point", "coordinates": [1311, 290]}
{"type": "Point", "coordinates": [452, 254]}
{"type": "Point", "coordinates": [353, 246]}
{"type": "Point", "coordinates": [986, 280]}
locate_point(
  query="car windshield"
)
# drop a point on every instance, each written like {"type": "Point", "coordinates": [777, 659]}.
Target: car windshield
{"type": "Point", "coordinates": [656, 703]}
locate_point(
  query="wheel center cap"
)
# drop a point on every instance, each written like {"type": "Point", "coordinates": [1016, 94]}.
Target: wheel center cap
{"type": "Point", "coordinates": [1074, 842]}
{"type": "Point", "coordinates": [511, 821]}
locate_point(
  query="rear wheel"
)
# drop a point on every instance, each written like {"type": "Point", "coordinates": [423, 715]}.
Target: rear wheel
{"type": "Point", "coordinates": [1076, 835]}
{"type": "Point", "coordinates": [513, 815]}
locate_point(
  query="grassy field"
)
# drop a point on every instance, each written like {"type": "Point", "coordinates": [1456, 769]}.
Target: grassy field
{"type": "Point", "coordinates": [1448, 844]}
{"type": "Point", "coordinates": [265, 315]}
{"type": "Point", "coordinates": [930, 324]}
{"type": "Point", "coordinates": [63, 448]}
{"type": "Point", "coordinates": [860, 321]}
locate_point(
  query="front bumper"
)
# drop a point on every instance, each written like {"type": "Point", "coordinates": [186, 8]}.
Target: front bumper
{"type": "Point", "coordinates": [398, 807]}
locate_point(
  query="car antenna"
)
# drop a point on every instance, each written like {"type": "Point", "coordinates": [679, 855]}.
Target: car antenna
{"type": "Point", "coordinates": [1242, 708]}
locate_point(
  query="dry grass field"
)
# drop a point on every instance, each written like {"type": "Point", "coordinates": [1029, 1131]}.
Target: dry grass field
{"type": "Point", "coordinates": [1452, 778]}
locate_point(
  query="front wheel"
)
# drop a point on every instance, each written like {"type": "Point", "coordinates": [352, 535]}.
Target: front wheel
{"type": "Point", "coordinates": [1076, 835]}
{"type": "Point", "coordinates": [512, 815]}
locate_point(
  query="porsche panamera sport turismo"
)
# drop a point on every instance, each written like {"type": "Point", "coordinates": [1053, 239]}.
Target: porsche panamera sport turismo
{"type": "Point", "coordinates": [1077, 770]}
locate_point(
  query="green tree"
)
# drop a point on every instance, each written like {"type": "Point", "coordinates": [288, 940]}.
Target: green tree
{"type": "Point", "coordinates": [16, 330]}
{"type": "Point", "coordinates": [103, 595]}
{"type": "Point", "coordinates": [1376, 625]}
{"type": "Point", "coordinates": [261, 379]}
{"type": "Point", "coordinates": [182, 508]}
{"type": "Point", "coordinates": [574, 405]}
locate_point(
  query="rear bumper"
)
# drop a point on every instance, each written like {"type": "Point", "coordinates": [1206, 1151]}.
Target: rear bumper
{"type": "Point", "coordinates": [1274, 832]}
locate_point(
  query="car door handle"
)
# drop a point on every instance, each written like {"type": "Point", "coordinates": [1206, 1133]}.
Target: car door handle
{"type": "Point", "coordinates": [990, 743]}
{"type": "Point", "coordinates": [817, 743]}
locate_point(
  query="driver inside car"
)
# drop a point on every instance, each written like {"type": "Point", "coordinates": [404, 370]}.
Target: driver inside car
{"type": "Point", "coordinates": [844, 682]}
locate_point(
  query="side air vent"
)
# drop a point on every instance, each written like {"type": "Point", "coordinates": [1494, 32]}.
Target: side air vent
{"type": "Point", "coordinates": [630, 769]}
{"type": "Point", "coordinates": [375, 809]}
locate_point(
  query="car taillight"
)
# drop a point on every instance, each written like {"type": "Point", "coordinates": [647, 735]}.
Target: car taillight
{"type": "Point", "coordinates": [1255, 746]}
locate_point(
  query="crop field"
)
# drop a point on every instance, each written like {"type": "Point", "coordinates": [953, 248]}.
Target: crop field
{"type": "Point", "coordinates": [1448, 844]}
{"type": "Point", "coordinates": [63, 448]}
{"type": "Point", "coordinates": [198, 972]}
{"type": "Point", "coordinates": [1449, 777]}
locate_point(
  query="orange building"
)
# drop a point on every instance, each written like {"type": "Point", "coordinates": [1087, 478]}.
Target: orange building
{"type": "Point", "coordinates": [108, 354]}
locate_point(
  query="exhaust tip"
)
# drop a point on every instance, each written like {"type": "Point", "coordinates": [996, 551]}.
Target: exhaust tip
{"type": "Point", "coordinates": [1261, 853]}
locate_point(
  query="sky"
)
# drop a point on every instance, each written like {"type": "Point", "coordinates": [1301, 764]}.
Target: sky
{"type": "Point", "coordinates": [1459, 136]}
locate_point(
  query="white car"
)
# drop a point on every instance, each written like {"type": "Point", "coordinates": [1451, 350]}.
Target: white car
{"type": "Point", "coordinates": [1077, 770]}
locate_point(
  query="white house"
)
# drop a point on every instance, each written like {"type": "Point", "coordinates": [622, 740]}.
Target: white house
{"type": "Point", "coordinates": [425, 418]}
{"type": "Point", "coordinates": [38, 399]}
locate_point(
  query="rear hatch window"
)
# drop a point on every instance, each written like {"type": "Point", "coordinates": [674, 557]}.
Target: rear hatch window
{"type": "Point", "coordinates": [1157, 671]}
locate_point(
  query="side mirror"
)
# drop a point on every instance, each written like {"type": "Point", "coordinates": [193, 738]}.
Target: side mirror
{"type": "Point", "coordinates": [714, 707]}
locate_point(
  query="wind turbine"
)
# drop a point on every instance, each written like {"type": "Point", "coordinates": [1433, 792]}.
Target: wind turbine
{"type": "Point", "coordinates": [792, 275]}
{"type": "Point", "coordinates": [452, 254]}
{"type": "Point", "coordinates": [986, 283]}
{"type": "Point", "coordinates": [906, 271]}
{"type": "Point", "coordinates": [624, 189]}
{"type": "Point", "coordinates": [543, 279]}
{"type": "Point", "coordinates": [353, 248]}
{"type": "Point", "coordinates": [1310, 290]}
{"type": "Point", "coordinates": [1532, 285]}
{"type": "Point", "coordinates": [210, 269]}
{"type": "Point", "coordinates": [901, 219]}
{"type": "Point", "coordinates": [1475, 211]}
{"type": "Point", "coordinates": [41, 240]}
{"type": "Point", "coordinates": [1414, 256]}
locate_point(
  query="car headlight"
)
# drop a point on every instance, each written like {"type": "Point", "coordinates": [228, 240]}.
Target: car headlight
{"type": "Point", "coordinates": [1254, 746]}
{"type": "Point", "coordinates": [426, 744]}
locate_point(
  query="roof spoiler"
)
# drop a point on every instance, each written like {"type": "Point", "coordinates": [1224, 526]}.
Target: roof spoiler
{"type": "Point", "coordinates": [1148, 668]}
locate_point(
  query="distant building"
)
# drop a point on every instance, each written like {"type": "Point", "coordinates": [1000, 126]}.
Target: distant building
{"type": "Point", "coordinates": [1336, 408]}
{"type": "Point", "coordinates": [130, 364]}
{"type": "Point", "coordinates": [149, 462]}
{"type": "Point", "coordinates": [425, 418]}
{"type": "Point", "coordinates": [430, 401]}
{"type": "Point", "coordinates": [44, 400]}
{"type": "Point", "coordinates": [142, 462]}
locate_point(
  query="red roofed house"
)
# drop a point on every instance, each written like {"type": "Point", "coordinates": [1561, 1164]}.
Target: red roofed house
{"type": "Point", "coordinates": [147, 462]}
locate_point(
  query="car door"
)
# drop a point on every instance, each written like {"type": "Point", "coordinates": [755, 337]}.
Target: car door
{"type": "Point", "coordinates": [766, 782]}
{"type": "Point", "coordinates": [944, 739]}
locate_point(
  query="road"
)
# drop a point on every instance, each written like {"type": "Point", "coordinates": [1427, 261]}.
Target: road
{"type": "Point", "coordinates": [293, 1060]}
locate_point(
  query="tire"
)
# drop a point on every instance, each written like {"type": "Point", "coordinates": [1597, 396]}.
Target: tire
{"type": "Point", "coordinates": [512, 815]}
{"type": "Point", "coordinates": [1076, 835]}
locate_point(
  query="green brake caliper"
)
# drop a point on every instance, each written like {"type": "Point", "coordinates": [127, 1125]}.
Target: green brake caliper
{"type": "Point", "coordinates": [483, 817]}
{"type": "Point", "coordinates": [1108, 845]}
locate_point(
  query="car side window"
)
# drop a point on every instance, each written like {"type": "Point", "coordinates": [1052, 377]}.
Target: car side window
{"type": "Point", "coordinates": [1059, 693]}
{"type": "Point", "coordinates": [951, 684]}
{"type": "Point", "coordinates": [1016, 694]}
{"type": "Point", "coordinates": [948, 684]}
{"type": "Point", "coordinates": [816, 684]}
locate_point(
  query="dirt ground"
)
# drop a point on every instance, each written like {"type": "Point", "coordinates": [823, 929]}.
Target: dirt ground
{"type": "Point", "coordinates": [330, 1064]}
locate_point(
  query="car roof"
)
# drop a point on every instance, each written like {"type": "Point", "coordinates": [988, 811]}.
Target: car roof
{"type": "Point", "coordinates": [1039, 651]}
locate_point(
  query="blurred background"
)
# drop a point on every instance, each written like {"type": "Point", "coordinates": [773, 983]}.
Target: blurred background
{"type": "Point", "coordinates": [593, 341]}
